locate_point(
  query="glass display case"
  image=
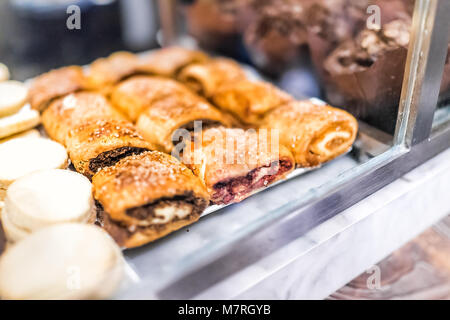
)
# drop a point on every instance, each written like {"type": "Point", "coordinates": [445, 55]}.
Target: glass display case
{"type": "Point", "coordinates": [386, 62]}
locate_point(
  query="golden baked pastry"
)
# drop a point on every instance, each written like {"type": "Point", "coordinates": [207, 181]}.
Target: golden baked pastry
{"type": "Point", "coordinates": [169, 61]}
{"type": "Point", "coordinates": [102, 143]}
{"type": "Point", "coordinates": [250, 100]}
{"type": "Point", "coordinates": [314, 133]}
{"type": "Point", "coordinates": [206, 78]}
{"type": "Point", "coordinates": [159, 124]}
{"type": "Point", "coordinates": [146, 196]}
{"type": "Point", "coordinates": [136, 94]}
{"type": "Point", "coordinates": [71, 111]}
{"type": "Point", "coordinates": [234, 163]}
{"type": "Point", "coordinates": [108, 71]}
{"type": "Point", "coordinates": [55, 84]}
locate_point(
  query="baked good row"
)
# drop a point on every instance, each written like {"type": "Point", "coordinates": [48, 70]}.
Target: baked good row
{"type": "Point", "coordinates": [164, 135]}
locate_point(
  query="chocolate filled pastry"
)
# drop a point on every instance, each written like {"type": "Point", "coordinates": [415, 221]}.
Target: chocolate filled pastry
{"type": "Point", "coordinates": [102, 143]}
{"type": "Point", "coordinates": [206, 78]}
{"type": "Point", "coordinates": [75, 109]}
{"type": "Point", "coordinates": [144, 197]}
{"type": "Point", "coordinates": [169, 61]}
{"type": "Point", "coordinates": [365, 75]}
{"type": "Point", "coordinates": [105, 72]}
{"type": "Point", "coordinates": [136, 94]}
{"type": "Point", "coordinates": [249, 100]}
{"type": "Point", "coordinates": [314, 133]}
{"type": "Point", "coordinates": [55, 84]}
{"type": "Point", "coordinates": [234, 164]}
{"type": "Point", "coordinates": [159, 124]}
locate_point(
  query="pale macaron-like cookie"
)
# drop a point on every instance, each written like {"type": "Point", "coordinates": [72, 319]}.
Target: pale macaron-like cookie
{"type": "Point", "coordinates": [4, 72]}
{"type": "Point", "coordinates": [45, 198]}
{"type": "Point", "coordinates": [19, 157]}
{"type": "Point", "coordinates": [33, 133]}
{"type": "Point", "coordinates": [23, 120]}
{"type": "Point", "coordinates": [63, 261]}
{"type": "Point", "coordinates": [13, 96]}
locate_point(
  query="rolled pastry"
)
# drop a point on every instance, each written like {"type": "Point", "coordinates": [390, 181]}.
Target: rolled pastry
{"type": "Point", "coordinates": [45, 198]}
{"type": "Point", "coordinates": [160, 122]}
{"type": "Point", "coordinates": [136, 94]}
{"type": "Point", "coordinates": [206, 78]}
{"type": "Point", "coordinates": [250, 100]}
{"type": "Point", "coordinates": [314, 133]}
{"type": "Point", "coordinates": [64, 261]}
{"type": "Point", "coordinates": [233, 163]}
{"type": "Point", "coordinates": [169, 61]}
{"type": "Point", "coordinates": [147, 196]}
{"type": "Point", "coordinates": [54, 84]}
{"type": "Point", "coordinates": [75, 109]}
{"type": "Point", "coordinates": [98, 144]}
{"type": "Point", "coordinates": [105, 72]}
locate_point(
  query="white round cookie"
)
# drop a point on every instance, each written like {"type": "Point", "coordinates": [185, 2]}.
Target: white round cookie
{"type": "Point", "coordinates": [33, 133]}
{"type": "Point", "coordinates": [18, 122]}
{"type": "Point", "coordinates": [20, 157]}
{"type": "Point", "coordinates": [13, 96]}
{"type": "Point", "coordinates": [49, 197]}
{"type": "Point", "coordinates": [12, 232]}
{"type": "Point", "coordinates": [4, 72]}
{"type": "Point", "coordinates": [64, 261]}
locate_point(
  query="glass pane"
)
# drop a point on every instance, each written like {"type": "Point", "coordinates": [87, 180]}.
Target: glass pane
{"type": "Point", "coordinates": [442, 114]}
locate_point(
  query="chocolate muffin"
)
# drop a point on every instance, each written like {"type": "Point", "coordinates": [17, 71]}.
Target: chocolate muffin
{"type": "Point", "coordinates": [365, 74]}
{"type": "Point", "coordinates": [276, 32]}
{"type": "Point", "coordinates": [330, 23]}
{"type": "Point", "coordinates": [215, 24]}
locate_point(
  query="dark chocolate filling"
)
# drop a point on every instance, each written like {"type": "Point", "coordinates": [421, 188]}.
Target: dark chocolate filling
{"type": "Point", "coordinates": [225, 190]}
{"type": "Point", "coordinates": [121, 232]}
{"type": "Point", "coordinates": [148, 210]}
{"type": "Point", "coordinates": [110, 158]}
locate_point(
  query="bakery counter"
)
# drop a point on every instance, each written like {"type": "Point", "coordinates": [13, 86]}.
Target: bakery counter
{"type": "Point", "coordinates": [282, 262]}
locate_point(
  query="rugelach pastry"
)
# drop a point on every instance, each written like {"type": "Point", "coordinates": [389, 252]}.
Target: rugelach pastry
{"type": "Point", "coordinates": [19, 157]}
{"type": "Point", "coordinates": [159, 124]}
{"type": "Point", "coordinates": [169, 61]}
{"type": "Point", "coordinates": [55, 84]}
{"type": "Point", "coordinates": [233, 163]}
{"type": "Point", "coordinates": [108, 71]}
{"type": "Point", "coordinates": [249, 100]}
{"type": "Point", "coordinates": [206, 78]}
{"type": "Point", "coordinates": [314, 133]}
{"type": "Point", "coordinates": [144, 197]}
{"type": "Point", "coordinates": [102, 143]}
{"type": "Point", "coordinates": [45, 198]}
{"type": "Point", "coordinates": [73, 110]}
{"type": "Point", "coordinates": [18, 122]}
{"type": "Point", "coordinates": [13, 95]}
{"type": "Point", "coordinates": [64, 261]}
{"type": "Point", "coordinates": [136, 94]}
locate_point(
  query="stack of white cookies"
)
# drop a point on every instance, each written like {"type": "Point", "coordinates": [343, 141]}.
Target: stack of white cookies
{"type": "Point", "coordinates": [54, 251]}
{"type": "Point", "coordinates": [16, 117]}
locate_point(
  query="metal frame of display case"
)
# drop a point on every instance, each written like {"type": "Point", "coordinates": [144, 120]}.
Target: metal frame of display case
{"type": "Point", "coordinates": [415, 141]}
